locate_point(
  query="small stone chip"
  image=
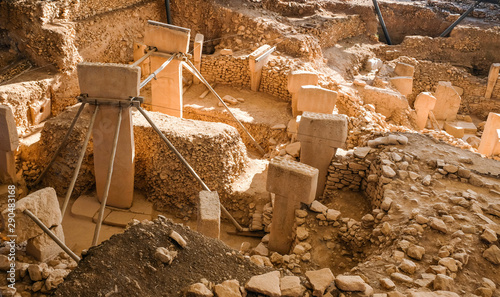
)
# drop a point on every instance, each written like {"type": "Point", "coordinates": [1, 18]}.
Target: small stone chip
{"type": "Point", "coordinates": [178, 238]}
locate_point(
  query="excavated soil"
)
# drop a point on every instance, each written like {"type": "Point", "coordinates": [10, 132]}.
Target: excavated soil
{"type": "Point", "coordinates": [125, 265]}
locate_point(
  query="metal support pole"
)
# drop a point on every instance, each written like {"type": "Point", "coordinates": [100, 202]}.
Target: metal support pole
{"type": "Point", "coordinates": [196, 73]}
{"type": "Point", "coordinates": [63, 143]}
{"type": "Point", "coordinates": [191, 170]}
{"type": "Point", "coordinates": [136, 63]}
{"type": "Point", "coordinates": [167, 7]}
{"type": "Point", "coordinates": [463, 16]}
{"type": "Point", "coordinates": [108, 179]}
{"type": "Point", "coordinates": [52, 235]}
{"type": "Point", "coordinates": [382, 23]}
{"type": "Point", "coordinates": [153, 75]}
{"type": "Point", "coordinates": [79, 163]}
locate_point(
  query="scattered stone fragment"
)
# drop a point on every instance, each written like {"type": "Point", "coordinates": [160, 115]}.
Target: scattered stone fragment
{"type": "Point", "coordinates": [198, 290]}
{"type": "Point", "coordinates": [438, 224]}
{"type": "Point", "coordinates": [401, 277]}
{"type": "Point", "coordinates": [261, 250]}
{"type": "Point", "coordinates": [449, 263]}
{"type": "Point", "coordinates": [178, 238]}
{"type": "Point", "coordinates": [332, 214]}
{"type": "Point", "coordinates": [443, 282]}
{"type": "Point", "coordinates": [387, 283]}
{"type": "Point", "coordinates": [426, 181]}
{"type": "Point", "coordinates": [317, 206]}
{"type": "Point", "coordinates": [408, 266]}
{"type": "Point", "coordinates": [267, 284]}
{"type": "Point", "coordinates": [386, 204]}
{"type": "Point", "coordinates": [164, 255]}
{"type": "Point", "coordinates": [35, 272]}
{"type": "Point", "coordinates": [293, 149]}
{"type": "Point", "coordinates": [388, 171]}
{"type": "Point", "coordinates": [291, 286]}
{"type": "Point", "coordinates": [320, 280]}
{"type": "Point", "coordinates": [492, 254]}
{"type": "Point", "coordinates": [302, 233]}
{"type": "Point", "coordinates": [434, 294]}
{"type": "Point", "coordinates": [350, 283]}
{"type": "Point", "coordinates": [229, 288]}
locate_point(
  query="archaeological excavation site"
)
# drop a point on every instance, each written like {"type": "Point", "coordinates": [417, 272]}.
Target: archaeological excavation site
{"type": "Point", "coordinates": [235, 148]}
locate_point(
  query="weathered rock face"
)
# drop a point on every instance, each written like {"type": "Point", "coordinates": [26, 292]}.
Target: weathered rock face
{"type": "Point", "coordinates": [214, 150]}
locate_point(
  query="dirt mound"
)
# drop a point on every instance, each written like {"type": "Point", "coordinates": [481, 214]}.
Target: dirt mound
{"type": "Point", "coordinates": [126, 265]}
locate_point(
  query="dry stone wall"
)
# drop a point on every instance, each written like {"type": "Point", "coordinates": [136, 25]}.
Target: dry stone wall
{"type": "Point", "coordinates": [214, 150]}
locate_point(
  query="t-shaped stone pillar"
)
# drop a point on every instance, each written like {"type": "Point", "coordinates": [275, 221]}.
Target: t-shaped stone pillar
{"type": "Point", "coordinates": [9, 141]}
{"type": "Point", "coordinates": [112, 81]}
{"type": "Point", "coordinates": [320, 135]}
{"type": "Point", "coordinates": [297, 79]}
{"type": "Point", "coordinates": [490, 140]}
{"type": "Point", "coordinates": [316, 99]}
{"type": "Point", "coordinates": [166, 89]}
{"type": "Point", "coordinates": [256, 61]}
{"type": "Point", "coordinates": [292, 183]}
{"type": "Point", "coordinates": [209, 214]}
{"type": "Point", "coordinates": [447, 102]}
{"type": "Point", "coordinates": [424, 103]}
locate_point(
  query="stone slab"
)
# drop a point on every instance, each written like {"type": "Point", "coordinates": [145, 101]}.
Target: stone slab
{"type": "Point", "coordinates": [447, 102]}
{"type": "Point", "coordinates": [167, 38]}
{"type": "Point", "coordinates": [403, 69]}
{"type": "Point", "coordinates": [40, 111]}
{"type": "Point", "coordinates": [122, 218]}
{"type": "Point", "coordinates": [112, 81]}
{"type": "Point", "coordinates": [316, 99]}
{"type": "Point", "coordinates": [424, 103]}
{"type": "Point", "coordinates": [454, 130]}
{"type": "Point", "coordinates": [328, 129]}
{"type": "Point", "coordinates": [490, 139]}
{"type": "Point", "coordinates": [9, 140]}
{"type": "Point", "coordinates": [404, 84]}
{"type": "Point", "coordinates": [492, 79]}
{"type": "Point", "coordinates": [297, 79]}
{"type": "Point", "coordinates": [209, 214]}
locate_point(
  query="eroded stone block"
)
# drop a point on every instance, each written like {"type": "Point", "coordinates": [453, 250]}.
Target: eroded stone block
{"type": "Point", "coordinates": [44, 205]}
{"type": "Point", "coordinates": [9, 141]}
{"type": "Point", "coordinates": [43, 247]}
{"type": "Point", "coordinates": [209, 214]}
{"type": "Point", "coordinates": [424, 103]}
{"type": "Point", "coordinates": [256, 61]}
{"type": "Point", "coordinates": [492, 79]}
{"type": "Point", "coordinates": [447, 102]}
{"type": "Point", "coordinates": [328, 129]}
{"type": "Point", "coordinates": [403, 69]}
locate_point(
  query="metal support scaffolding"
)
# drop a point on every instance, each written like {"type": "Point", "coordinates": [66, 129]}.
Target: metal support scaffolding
{"type": "Point", "coordinates": [52, 235]}
{"type": "Point", "coordinates": [149, 53]}
{"type": "Point", "coordinates": [463, 16]}
{"type": "Point", "coordinates": [186, 164]}
{"type": "Point", "coordinates": [79, 163]}
{"type": "Point", "coordinates": [190, 67]}
{"type": "Point", "coordinates": [153, 75]}
{"type": "Point", "coordinates": [63, 143]}
{"type": "Point", "coordinates": [382, 23]}
{"type": "Point", "coordinates": [108, 180]}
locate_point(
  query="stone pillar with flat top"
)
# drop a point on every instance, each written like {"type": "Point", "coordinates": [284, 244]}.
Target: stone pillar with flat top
{"type": "Point", "coordinates": [297, 79]}
{"type": "Point", "coordinates": [320, 135]}
{"type": "Point", "coordinates": [292, 183]}
{"type": "Point", "coordinates": [424, 103]}
{"type": "Point", "coordinates": [492, 79]}
{"type": "Point", "coordinates": [113, 82]}
{"type": "Point", "coordinates": [9, 142]}
{"type": "Point", "coordinates": [490, 140]}
{"type": "Point", "coordinates": [447, 102]}
{"type": "Point", "coordinates": [166, 89]}
{"type": "Point", "coordinates": [316, 99]}
{"type": "Point", "coordinates": [256, 61]}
